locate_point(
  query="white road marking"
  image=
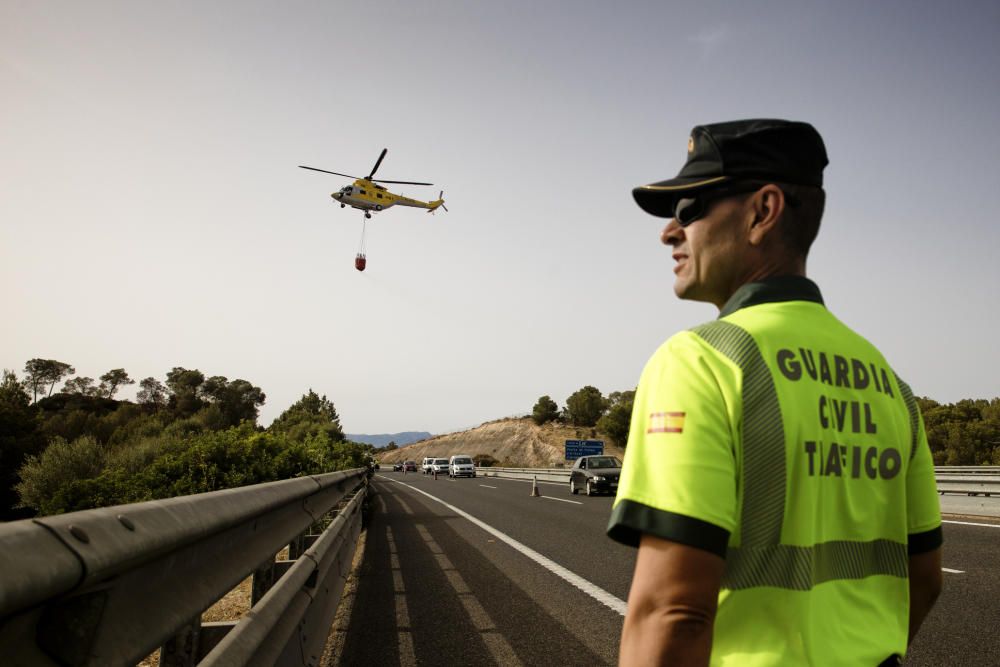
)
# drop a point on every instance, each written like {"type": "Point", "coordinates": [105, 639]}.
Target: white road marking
{"type": "Point", "coordinates": [488, 486]}
{"type": "Point", "coordinates": [562, 500]}
{"type": "Point", "coordinates": [407, 655]}
{"type": "Point", "coordinates": [593, 590]}
{"type": "Point", "coordinates": [951, 571]}
{"type": "Point", "coordinates": [477, 614]}
{"type": "Point", "coordinates": [402, 612]}
{"type": "Point", "coordinates": [498, 646]}
{"type": "Point", "coordinates": [457, 582]}
{"type": "Point", "coordinates": [967, 523]}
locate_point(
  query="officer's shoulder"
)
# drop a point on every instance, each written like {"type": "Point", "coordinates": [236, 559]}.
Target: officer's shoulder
{"type": "Point", "coordinates": [697, 339]}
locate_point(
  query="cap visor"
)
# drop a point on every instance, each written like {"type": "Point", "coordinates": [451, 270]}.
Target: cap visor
{"type": "Point", "coordinates": [660, 199]}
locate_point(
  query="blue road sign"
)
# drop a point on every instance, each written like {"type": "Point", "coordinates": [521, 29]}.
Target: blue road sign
{"type": "Point", "coordinates": [577, 448]}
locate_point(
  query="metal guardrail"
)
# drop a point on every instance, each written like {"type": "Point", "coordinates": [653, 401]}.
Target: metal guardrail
{"type": "Point", "coordinates": [542, 474]}
{"type": "Point", "coordinates": [111, 585]}
{"type": "Point", "coordinates": [970, 480]}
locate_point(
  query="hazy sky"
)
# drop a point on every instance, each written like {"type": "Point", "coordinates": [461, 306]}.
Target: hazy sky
{"type": "Point", "coordinates": [152, 213]}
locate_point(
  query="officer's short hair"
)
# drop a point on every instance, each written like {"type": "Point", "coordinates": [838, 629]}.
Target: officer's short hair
{"type": "Point", "coordinates": [800, 222]}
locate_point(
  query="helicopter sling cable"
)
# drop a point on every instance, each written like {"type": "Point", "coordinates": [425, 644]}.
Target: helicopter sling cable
{"type": "Point", "coordinates": [360, 261]}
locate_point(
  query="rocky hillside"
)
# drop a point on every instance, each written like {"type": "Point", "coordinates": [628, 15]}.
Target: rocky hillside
{"type": "Point", "coordinates": [512, 442]}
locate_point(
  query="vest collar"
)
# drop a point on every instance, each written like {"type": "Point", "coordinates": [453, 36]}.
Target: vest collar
{"type": "Point", "coordinates": [772, 290]}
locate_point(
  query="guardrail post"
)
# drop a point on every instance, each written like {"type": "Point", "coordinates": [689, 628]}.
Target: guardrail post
{"type": "Point", "coordinates": [263, 579]}
{"type": "Point", "coordinates": [297, 547]}
{"type": "Point", "coordinates": [181, 650]}
{"type": "Point", "coordinates": [211, 634]}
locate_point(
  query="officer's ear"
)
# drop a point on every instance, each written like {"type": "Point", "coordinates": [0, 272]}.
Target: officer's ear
{"type": "Point", "coordinates": [766, 206]}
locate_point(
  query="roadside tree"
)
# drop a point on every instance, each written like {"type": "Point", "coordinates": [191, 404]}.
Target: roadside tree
{"type": "Point", "coordinates": [152, 393]}
{"type": "Point", "coordinates": [82, 386]}
{"type": "Point", "coordinates": [19, 439]}
{"type": "Point", "coordinates": [615, 424]}
{"type": "Point", "coordinates": [585, 406]}
{"type": "Point", "coordinates": [183, 385]}
{"type": "Point", "coordinates": [113, 379]}
{"type": "Point", "coordinates": [310, 415]}
{"type": "Point", "coordinates": [545, 410]}
{"type": "Point", "coordinates": [41, 372]}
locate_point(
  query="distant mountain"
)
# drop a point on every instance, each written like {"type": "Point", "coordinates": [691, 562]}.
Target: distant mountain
{"type": "Point", "coordinates": [383, 439]}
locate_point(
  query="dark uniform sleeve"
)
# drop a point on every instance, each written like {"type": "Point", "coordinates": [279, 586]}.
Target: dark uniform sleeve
{"type": "Point", "coordinates": [923, 508]}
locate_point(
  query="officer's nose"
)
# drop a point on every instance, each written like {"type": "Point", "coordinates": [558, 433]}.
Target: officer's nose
{"type": "Point", "coordinates": [672, 234]}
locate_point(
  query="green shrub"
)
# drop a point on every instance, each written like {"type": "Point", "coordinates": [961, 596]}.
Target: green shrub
{"type": "Point", "coordinates": [62, 464]}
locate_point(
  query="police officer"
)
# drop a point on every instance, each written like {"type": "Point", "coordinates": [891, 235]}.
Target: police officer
{"type": "Point", "coordinates": [777, 480]}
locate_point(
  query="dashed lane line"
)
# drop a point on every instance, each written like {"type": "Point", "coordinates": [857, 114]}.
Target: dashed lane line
{"type": "Point", "coordinates": [969, 523]}
{"type": "Point", "coordinates": [404, 635]}
{"type": "Point", "coordinates": [498, 646]}
{"type": "Point", "coordinates": [951, 571]}
{"type": "Point", "coordinates": [593, 590]}
{"type": "Point", "coordinates": [488, 486]}
{"type": "Point", "coordinates": [562, 500]}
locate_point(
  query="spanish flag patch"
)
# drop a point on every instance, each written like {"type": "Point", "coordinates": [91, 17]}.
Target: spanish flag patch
{"type": "Point", "coordinates": [666, 422]}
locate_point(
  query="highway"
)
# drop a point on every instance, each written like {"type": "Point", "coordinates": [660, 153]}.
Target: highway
{"type": "Point", "coordinates": [476, 571]}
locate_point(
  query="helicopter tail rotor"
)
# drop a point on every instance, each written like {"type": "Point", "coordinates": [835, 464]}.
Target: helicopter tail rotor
{"type": "Point", "coordinates": [439, 202]}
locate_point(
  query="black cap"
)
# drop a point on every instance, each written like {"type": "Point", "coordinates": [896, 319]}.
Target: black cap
{"type": "Point", "coordinates": [758, 149]}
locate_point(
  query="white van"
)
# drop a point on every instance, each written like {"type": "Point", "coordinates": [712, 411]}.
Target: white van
{"type": "Point", "coordinates": [425, 467]}
{"type": "Point", "coordinates": [461, 465]}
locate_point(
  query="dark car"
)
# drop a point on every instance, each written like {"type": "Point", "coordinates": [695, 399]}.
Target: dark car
{"type": "Point", "coordinates": [409, 466]}
{"type": "Point", "coordinates": [595, 474]}
{"type": "Point", "coordinates": [397, 467]}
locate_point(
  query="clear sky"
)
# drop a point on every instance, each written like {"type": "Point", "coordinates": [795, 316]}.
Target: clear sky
{"type": "Point", "coordinates": [152, 213]}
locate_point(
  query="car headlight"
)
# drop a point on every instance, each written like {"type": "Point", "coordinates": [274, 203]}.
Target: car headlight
{"type": "Point", "coordinates": [598, 478]}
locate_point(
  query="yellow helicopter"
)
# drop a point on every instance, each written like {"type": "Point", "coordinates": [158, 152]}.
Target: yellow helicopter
{"type": "Point", "coordinates": [366, 195]}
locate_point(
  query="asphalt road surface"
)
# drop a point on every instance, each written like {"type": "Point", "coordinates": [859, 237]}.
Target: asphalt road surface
{"type": "Point", "coordinates": [476, 571]}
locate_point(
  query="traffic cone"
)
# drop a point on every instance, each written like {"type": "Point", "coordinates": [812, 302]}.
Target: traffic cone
{"type": "Point", "coordinates": [534, 487]}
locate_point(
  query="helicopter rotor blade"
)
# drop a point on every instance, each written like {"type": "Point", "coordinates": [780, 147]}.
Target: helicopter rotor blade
{"type": "Point", "coordinates": [378, 180]}
{"type": "Point", "coordinates": [377, 163]}
{"type": "Point", "coordinates": [335, 173]}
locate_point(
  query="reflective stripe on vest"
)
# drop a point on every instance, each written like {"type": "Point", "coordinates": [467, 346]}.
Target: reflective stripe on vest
{"type": "Point", "coordinates": [761, 559]}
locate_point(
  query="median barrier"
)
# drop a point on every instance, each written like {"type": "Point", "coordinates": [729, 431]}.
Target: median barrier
{"type": "Point", "coordinates": [971, 480]}
{"type": "Point", "coordinates": [541, 474]}
{"type": "Point", "coordinates": [109, 586]}
{"type": "Point", "coordinates": [968, 480]}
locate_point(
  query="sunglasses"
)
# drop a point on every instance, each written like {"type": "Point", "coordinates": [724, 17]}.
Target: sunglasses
{"type": "Point", "coordinates": [690, 209]}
